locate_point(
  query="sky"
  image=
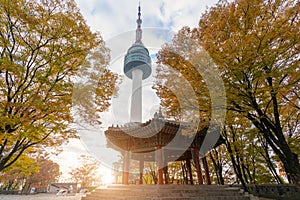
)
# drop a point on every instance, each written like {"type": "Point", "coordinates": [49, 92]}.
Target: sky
{"type": "Point", "coordinates": [116, 22]}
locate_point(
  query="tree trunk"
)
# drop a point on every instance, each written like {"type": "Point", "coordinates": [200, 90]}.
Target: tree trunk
{"type": "Point", "coordinates": [273, 133]}
{"type": "Point", "coordinates": [235, 162]}
{"type": "Point", "coordinates": [269, 162]}
{"type": "Point", "coordinates": [184, 172]}
{"type": "Point", "coordinates": [277, 142]}
{"type": "Point", "coordinates": [218, 167]}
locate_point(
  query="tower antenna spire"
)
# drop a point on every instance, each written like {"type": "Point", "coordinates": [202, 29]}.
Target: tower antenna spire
{"type": "Point", "coordinates": [138, 38]}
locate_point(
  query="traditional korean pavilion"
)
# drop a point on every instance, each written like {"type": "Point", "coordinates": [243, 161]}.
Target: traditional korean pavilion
{"type": "Point", "coordinates": [159, 140]}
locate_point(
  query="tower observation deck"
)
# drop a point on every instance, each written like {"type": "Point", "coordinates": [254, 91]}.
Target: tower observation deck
{"type": "Point", "coordinates": [137, 56]}
{"type": "Point", "coordinates": [137, 66]}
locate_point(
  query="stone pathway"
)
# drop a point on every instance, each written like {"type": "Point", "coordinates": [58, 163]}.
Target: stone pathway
{"type": "Point", "coordinates": [40, 197]}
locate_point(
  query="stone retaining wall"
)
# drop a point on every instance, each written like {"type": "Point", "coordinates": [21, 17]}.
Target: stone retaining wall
{"type": "Point", "coordinates": [9, 191]}
{"type": "Point", "coordinates": [275, 191]}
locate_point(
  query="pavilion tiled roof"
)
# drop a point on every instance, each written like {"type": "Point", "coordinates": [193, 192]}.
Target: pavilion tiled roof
{"type": "Point", "coordinates": [140, 138]}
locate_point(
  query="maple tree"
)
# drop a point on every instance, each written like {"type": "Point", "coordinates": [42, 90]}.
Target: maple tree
{"type": "Point", "coordinates": [43, 47]}
{"type": "Point", "coordinates": [48, 172]}
{"type": "Point", "coordinates": [86, 173]}
{"type": "Point", "coordinates": [180, 86]}
{"type": "Point", "coordinates": [13, 177]}
{"type": "Point", "coordinates": [31, 168]}
{"type": "Point", "coordinates": [94, 87]}
{"type": "Point", "coordinates": [256, 46]}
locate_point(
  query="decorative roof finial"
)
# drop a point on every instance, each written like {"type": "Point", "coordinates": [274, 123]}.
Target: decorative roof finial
{"type": "Point", "coordinates": [158, 115]}
{"type": "Point", "coordinates": [138, 38]}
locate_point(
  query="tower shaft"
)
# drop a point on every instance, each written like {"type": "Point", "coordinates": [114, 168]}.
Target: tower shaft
{"type": "Point", "coordinates": [136, 97]}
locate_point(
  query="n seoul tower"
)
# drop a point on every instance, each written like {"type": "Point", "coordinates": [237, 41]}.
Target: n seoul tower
{"type": "Point", "coordinates": [137, 66]}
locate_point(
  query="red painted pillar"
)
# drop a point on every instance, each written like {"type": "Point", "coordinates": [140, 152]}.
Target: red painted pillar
{"type": "Point", "coordinates": [126, 163]}
{"type": "Point", "coordinates": [159, 166]}
{"type": "Point", "coordinates": [198, 166]}
{"type": "Point", "coordinates": [165, 171]}
{"type": "Point", "coordinates": [204, 161]}
{"type": "Point", "coordinates": [141, 171]}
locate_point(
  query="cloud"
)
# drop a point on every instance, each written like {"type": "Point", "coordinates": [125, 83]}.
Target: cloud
{"type": "Point", "coordinates": [111, 17]}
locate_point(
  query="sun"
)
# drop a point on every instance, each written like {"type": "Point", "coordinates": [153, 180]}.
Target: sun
{"type": "Point", "coordinates": [107, 177]}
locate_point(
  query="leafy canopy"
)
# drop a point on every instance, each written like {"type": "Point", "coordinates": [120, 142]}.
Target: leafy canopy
{"type": "Point", "coordinates": [43, 44]}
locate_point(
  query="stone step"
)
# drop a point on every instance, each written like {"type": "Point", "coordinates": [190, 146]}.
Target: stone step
{"type": "Point", "coordinates": [221, 191]}
{"type": "Point", "coordinates": [173, 188]}
{"type": "Point", "coordinates": [170, 193]}
{"type": "Point", "coordinates": [167, 192]}
{"type": "Point", "coordinates": [170, 186]}
{"type": "Point", "coordinates": [166, 198]}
